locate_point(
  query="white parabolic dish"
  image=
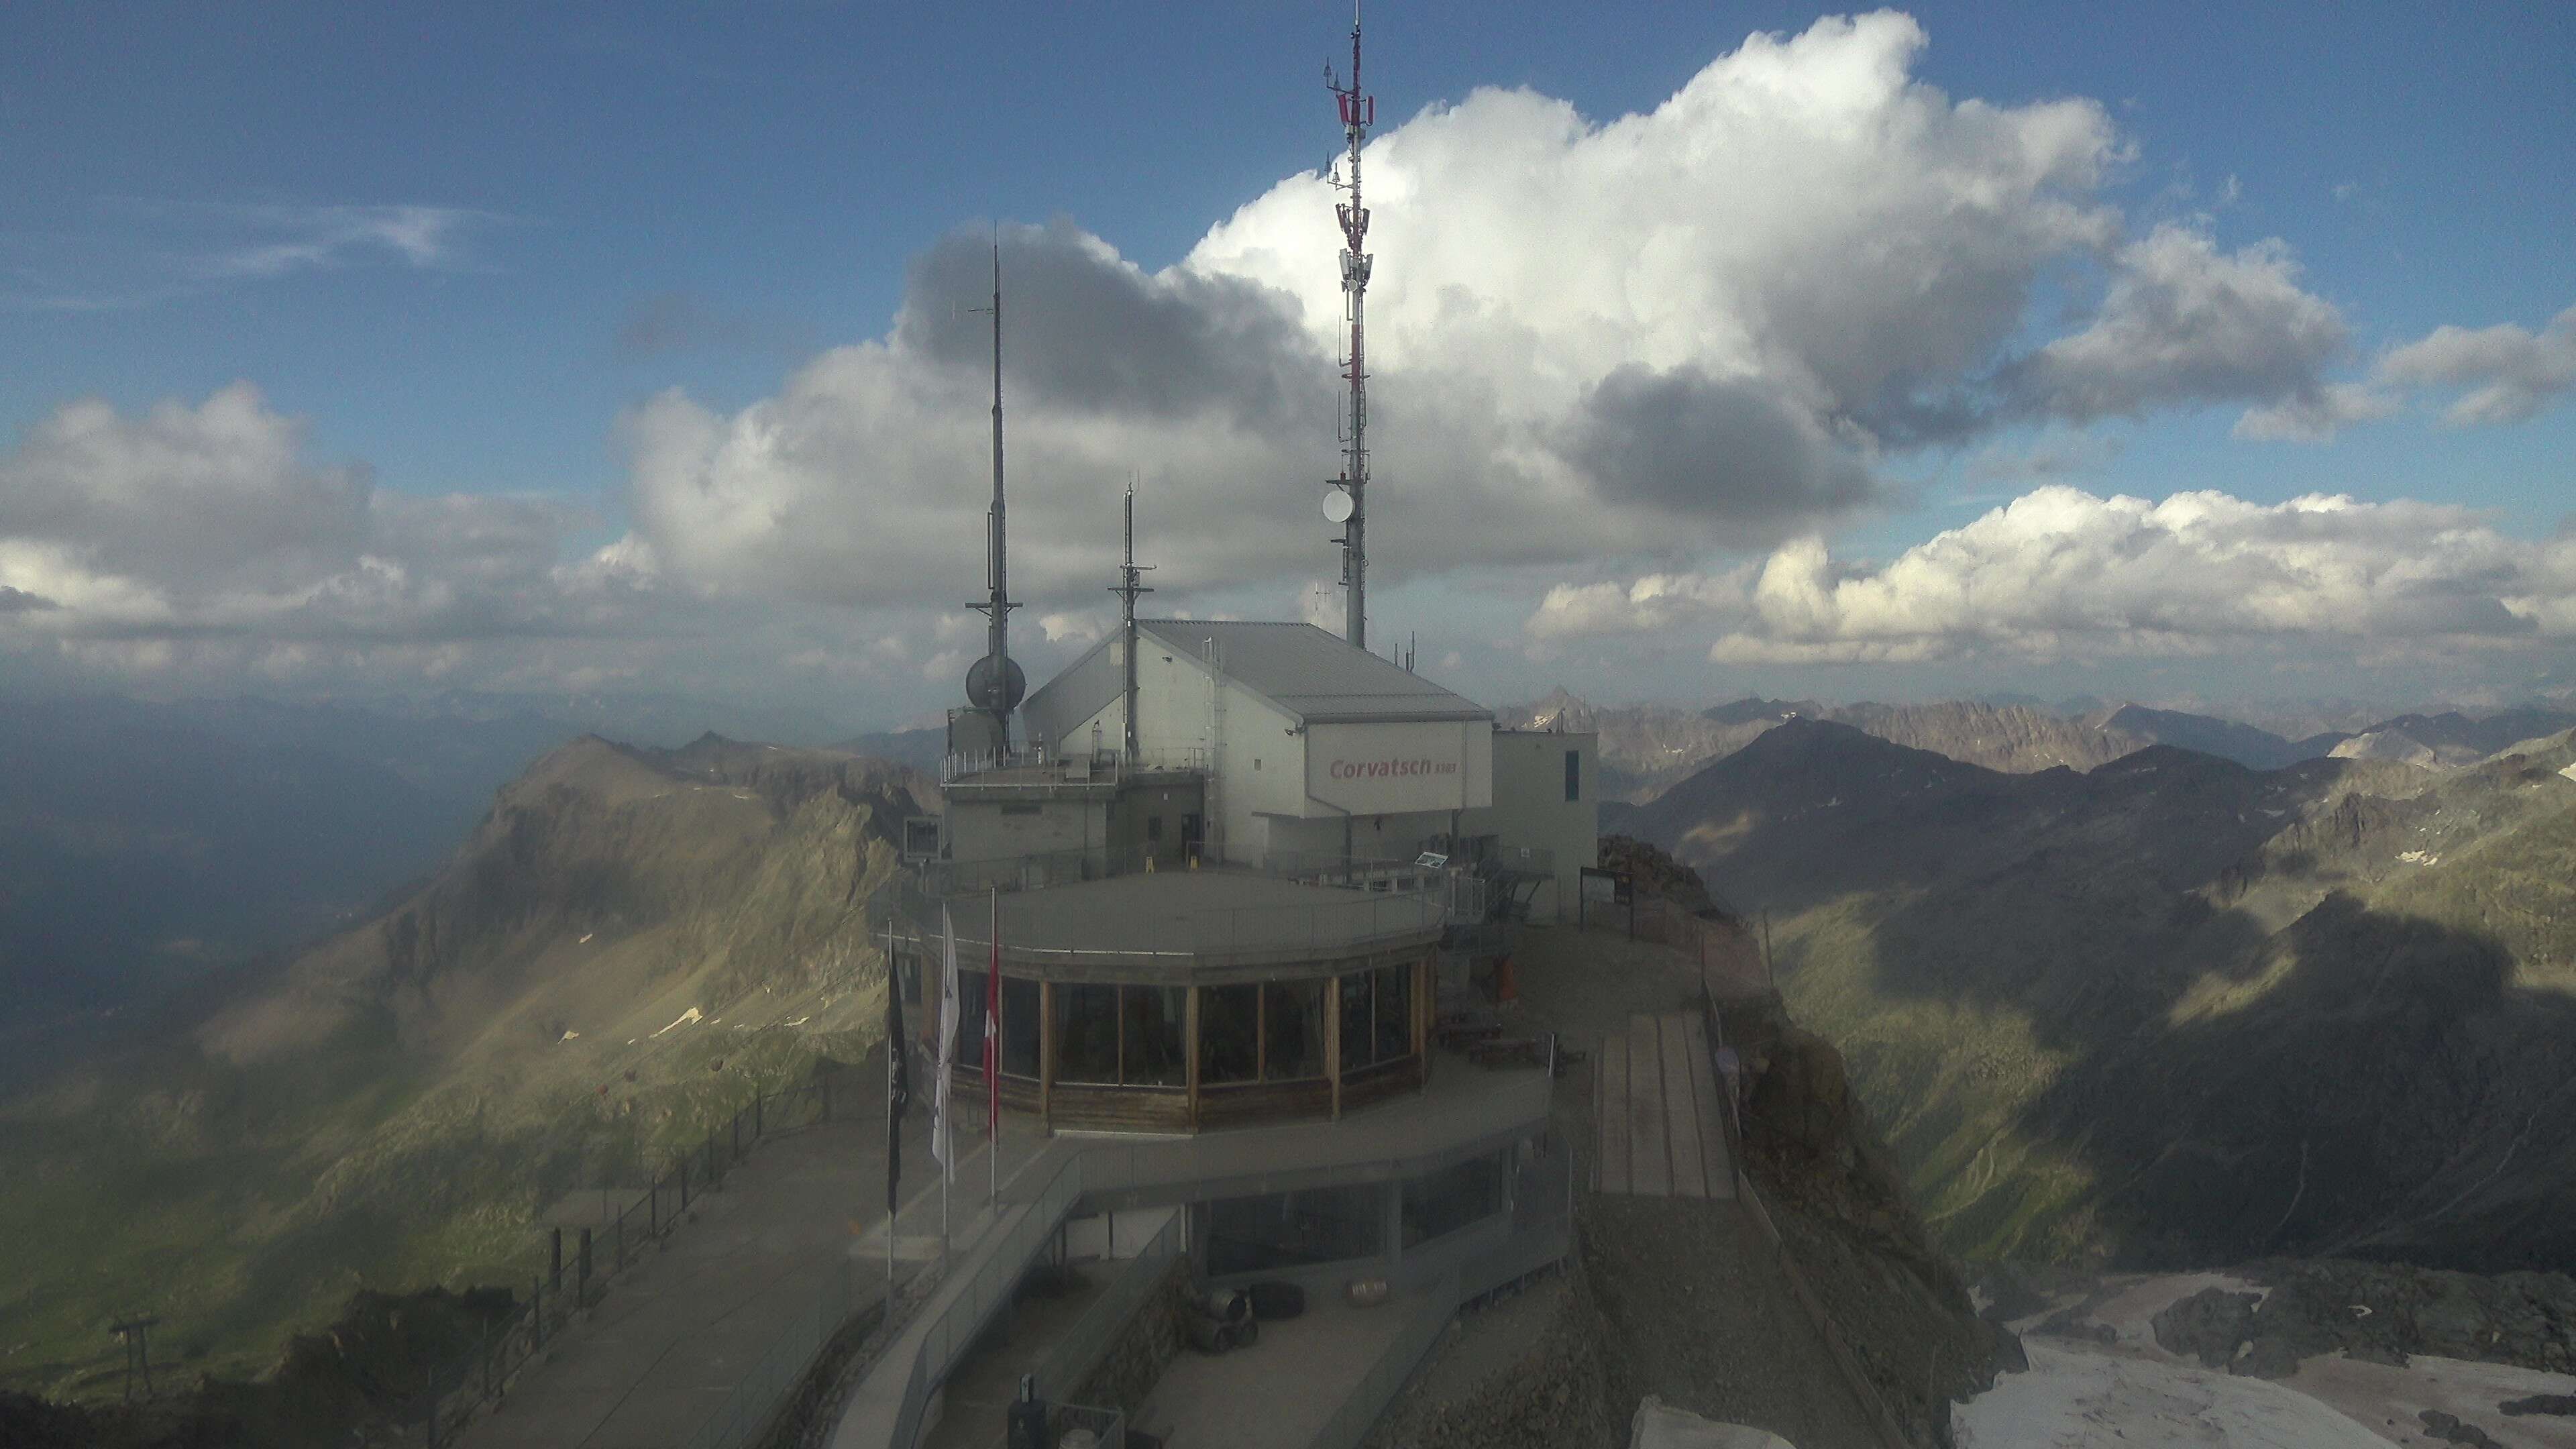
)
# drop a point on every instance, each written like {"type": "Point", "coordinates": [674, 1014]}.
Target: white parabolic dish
{"type": "Point", "coordinates": [1337, 506]}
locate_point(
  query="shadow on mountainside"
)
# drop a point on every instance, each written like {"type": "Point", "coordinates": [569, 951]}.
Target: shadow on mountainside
{"type": "Point", "coordinates": [2388, 1092]}
{"type": "Point", "coordinates": [2152, 1013]}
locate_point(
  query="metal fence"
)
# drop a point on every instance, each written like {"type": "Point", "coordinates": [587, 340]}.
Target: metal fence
{"type": "Point", "coordinates": [455, 1391]}
{"type": "Point", "coordinates": [979, 1298]}
{"type": "Point", "coordinates": [1372, 909]}
{"type": "Point", "coordinates": [1732, 962]}
{"type": "Point", "coordinates": [1041, 765]}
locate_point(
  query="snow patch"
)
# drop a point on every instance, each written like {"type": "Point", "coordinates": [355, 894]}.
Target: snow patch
{"type": "Point", "coordinates": [2419, 857]}
{"type": "Point", "coordinates": [686, 1017]}
{"type": "Point", "coordinates": [2076, 1396]}
{"type": "Point", "coordinates": [585, 938]}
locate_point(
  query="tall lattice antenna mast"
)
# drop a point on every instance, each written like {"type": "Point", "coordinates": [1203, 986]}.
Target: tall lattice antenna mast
{"type": "Point", "coordinates": [1131, 582]}
{"type": "Point", "coordinates": [996, 684]}
{"type": "Point", "coordinates": [1350, 507]}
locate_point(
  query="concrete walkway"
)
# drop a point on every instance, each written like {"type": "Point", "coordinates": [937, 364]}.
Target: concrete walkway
{"type": "Point", "coordinates": [671, 1339]}
{"type": "Point", "coordinates": [1279, 1392]}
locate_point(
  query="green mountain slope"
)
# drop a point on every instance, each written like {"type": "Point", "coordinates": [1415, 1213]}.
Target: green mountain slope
{"type": "Point", "coordinates": [2176, 1010]}
{"type": "Point", "coordinates": [630, 942]}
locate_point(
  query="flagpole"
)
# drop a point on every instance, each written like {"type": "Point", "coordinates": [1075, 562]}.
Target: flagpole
{"type": "Point", "coordinates": [894, 1109]}
{"type": "Point", "coordinates": [942, 1095]}
{"type": "Point", "coordinates": [993, 1056]}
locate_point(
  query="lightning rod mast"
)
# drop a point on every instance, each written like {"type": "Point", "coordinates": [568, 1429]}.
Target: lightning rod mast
{"type": "Point", "coordinates": [996, 683]}
{"type": "Point", "coordinates": [1359, 112]}
{"type": "Point", "coordinates": [1131, 582]}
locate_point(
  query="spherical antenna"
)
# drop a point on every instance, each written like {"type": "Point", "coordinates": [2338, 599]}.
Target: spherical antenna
{"type": "Point", "coordinates": [996, 683]}
{"type": "Point", "coordinates": [1338, 505]}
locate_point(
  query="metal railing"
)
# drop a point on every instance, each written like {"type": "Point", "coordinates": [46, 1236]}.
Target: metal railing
{"type": "Point", "coordinates": [1372, 904]}
{"type": "Point", "coordinates": [1041, 766]}
{"type": "Point", "coordinates": [976, 1301]}
{"type": "Point", "coordinates": [459, 1388]}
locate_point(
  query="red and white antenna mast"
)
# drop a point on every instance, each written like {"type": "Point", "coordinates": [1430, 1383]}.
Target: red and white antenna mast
{"type": "Point", "coordinates": [1348, 505]}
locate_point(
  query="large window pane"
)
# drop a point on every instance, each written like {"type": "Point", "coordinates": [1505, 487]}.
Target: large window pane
{"type": "Point", "coordinates": [1019, 1028]}
{"type": "Point", "coordinates": [1154, 1056]}
{"type": "Point", "coordinates": [1293, 1023]}
{"type": "Point", "coordinates": [1086, 1033]}
{"type": "Point", "coordinates": [1359, 1022]}
{"type": "Point", "coordinates": [1296, 1229]}
{"type": "Point", "coordinates": [1228, 1019]}
{"type": "Point", "coordinates": [1394, 990]}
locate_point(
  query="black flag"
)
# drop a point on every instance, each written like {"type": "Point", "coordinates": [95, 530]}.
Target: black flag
{"type": "Point", "coordinates": [898, 1085]}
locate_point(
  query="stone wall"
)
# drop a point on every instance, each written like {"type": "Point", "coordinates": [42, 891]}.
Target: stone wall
{"type": "Point", "coordinates": [1143, 1349]}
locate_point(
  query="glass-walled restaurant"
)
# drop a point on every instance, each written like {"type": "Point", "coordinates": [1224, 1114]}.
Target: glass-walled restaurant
{"type": "Point", "coordinates": [1176, 1055]}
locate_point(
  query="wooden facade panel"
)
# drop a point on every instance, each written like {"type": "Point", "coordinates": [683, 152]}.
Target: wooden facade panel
{"type": "Point", "coordinates": [1380, 1082]}
{"type": "Point", "coordinates": [1086, 1108]}
{"type": "Point", "coordinates": [1264, 1102]}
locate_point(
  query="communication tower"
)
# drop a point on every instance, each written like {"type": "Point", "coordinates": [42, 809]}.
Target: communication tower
{"type": "Point", "coordinates": [1347, 504]}
{"type": "Point", "coordinates": [996, 684]}
{"type": "Point", "coordinates": [1131, 582]}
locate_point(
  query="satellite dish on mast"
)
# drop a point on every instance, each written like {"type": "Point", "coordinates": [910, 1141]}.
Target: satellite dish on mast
{"type": "Point", "coordinates": [1337, 506]}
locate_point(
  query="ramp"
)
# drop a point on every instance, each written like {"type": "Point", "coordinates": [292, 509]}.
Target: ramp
{"type": "Point", "coordinates": [1656, 1128]}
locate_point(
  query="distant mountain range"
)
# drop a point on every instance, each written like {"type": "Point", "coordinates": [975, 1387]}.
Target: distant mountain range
{"type": "Point", "coordinates": [2175, 1010]}
{"type": "Point", "coordinates": [142, 844]}
{"type": "Point", "coordinates": [1646, 749]}
{"type": "Point", "coordinates": [626, 943]}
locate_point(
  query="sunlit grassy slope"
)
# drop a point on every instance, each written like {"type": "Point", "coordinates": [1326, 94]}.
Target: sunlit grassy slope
{"type": "Point", "coordinates": [397, 1106]}
{"type": "Point", "coordinates": [2174, 1009]}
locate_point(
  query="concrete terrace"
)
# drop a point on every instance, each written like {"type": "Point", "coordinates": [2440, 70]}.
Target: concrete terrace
{"type": "Point", "coordinates": [1463, 1111]}
{"type": "Point", "coordinates": [669, 1341]}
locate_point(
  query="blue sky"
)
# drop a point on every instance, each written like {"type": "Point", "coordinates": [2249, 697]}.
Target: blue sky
{"type": "Point", "coordinates": [464, 245]}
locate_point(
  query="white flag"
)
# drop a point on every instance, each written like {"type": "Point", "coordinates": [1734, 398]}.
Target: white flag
{"type": "Point", "coordinates": [939, 1147]}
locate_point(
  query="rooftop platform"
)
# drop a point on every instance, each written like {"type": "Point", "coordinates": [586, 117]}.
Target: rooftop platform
{"type": "Point", "coordinates": [1198, 926]}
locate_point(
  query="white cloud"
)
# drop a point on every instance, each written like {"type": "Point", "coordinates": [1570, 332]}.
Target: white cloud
{"type": "Point", "coordinates": [278, 239]}
{"type": "Point", "coordinates": [2315, 416]}
{"type": "Point", "coordinates": [2059, 573]}
{"type": "Point", "coordinates": [2186, 324]}
{"type": "Point", "coordinates": [210, 521]}
{"type": "Point", "coordinates": [2511, 373]}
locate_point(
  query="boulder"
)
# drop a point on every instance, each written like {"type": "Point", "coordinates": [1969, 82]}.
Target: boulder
{"type": "Point", "coordinates": [2209, 1324]}
{"type": "Point", "coordinates": [2450, 1429]}
{"type": "Point", "coordinates": [2270, 1357]}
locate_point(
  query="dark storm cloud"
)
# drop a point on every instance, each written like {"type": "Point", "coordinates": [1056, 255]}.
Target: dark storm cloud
{"type": "Point", "coordinates": [1731, 452]}
{"type": "Point", "coordinates": [1088, 331]}
{"type": "Point", "coordinates": [19, 601]}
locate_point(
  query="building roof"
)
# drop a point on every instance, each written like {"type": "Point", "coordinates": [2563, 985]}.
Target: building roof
{"type": "Point", "coordinates": [1312, 676]}
{"type": "Point", "coordinates": [1315, 677]}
